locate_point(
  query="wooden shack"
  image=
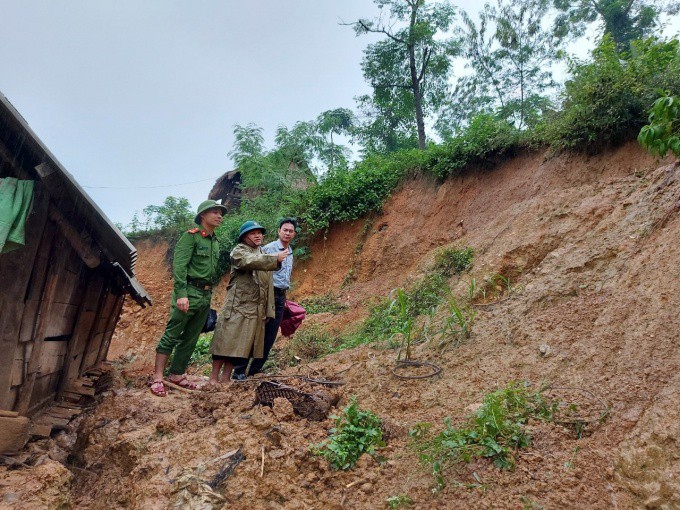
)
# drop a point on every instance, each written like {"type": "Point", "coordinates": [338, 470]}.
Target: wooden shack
{"type": "Point", "coordinates": [228, 188]}
{"type": "Point", "coordinates": [62, 292]}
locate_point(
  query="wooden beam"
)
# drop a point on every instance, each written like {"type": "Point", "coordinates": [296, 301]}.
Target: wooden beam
{"type": "Point", "coordinates": [40, 429]}
{"type": "Point", "coordinates": [88, 255]}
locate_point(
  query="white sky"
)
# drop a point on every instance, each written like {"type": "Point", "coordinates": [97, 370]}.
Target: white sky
{"type": "Point", "coordinates": [131, 93]}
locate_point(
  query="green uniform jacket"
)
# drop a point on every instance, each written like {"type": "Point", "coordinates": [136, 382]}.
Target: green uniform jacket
{"type": "Point", "coordinates": [249, 302]}
{"type": "Point", "coordinates": [195, 257]}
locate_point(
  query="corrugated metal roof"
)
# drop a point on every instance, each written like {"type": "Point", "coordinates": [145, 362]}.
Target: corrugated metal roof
{"type": "Point", "coordinates": [21, 142]}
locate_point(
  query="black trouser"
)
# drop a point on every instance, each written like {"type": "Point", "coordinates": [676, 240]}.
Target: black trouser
{"type": "Point", "coordinates": [271, 329]}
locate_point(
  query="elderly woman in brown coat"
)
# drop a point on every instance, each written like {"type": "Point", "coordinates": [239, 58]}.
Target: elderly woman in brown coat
{"type": "Point", "coordinates": [239, 333]}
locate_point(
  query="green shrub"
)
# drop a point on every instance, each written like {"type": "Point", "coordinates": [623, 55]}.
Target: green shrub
{"type": "Point", "coordinates": [345, 195]}
{"type": "Point", "coordinates": [484, 141]}
{"type": "Point", "coordinates": [607, 99]}
{"type": "Point", "coordinates": [494, 431]}
{"type": "Point", "coordinates": [308, 343]}
{"type": "Point", "coordinates": [201, 356]}
{"type": "Point", "coordinates": [399, 501]}
{"type": "Point", "coordinates": [663, 132]}
{"type": "Point", "coordinates": [356, 432]}
{"type": "Point", "coordinates": [323, 304]}
{"type": "Point", "coordinates": [450, 261]}
{"type": "Point", "coordinates": [395, 315]}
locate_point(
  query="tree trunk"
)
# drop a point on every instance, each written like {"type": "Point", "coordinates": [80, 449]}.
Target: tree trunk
{"type": "Point", "coordinates": [415, 80]}
{"type": "Point", "coordinates": [417, 98]}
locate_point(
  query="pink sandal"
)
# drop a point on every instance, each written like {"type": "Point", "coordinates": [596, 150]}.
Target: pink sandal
{"type": "Point", "coordinates": [158, 389]}
{"type": "Point", "coordinates": [183, 382]}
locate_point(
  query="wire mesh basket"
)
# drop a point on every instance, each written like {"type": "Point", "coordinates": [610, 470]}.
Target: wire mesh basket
{"type": "Point", "coordinates": [313, 406]}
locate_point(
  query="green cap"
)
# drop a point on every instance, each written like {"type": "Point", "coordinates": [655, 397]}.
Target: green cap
{"type": "Point", "coordinates": [248, 226]}
{"type": "Point", "coordinates": [205, 205]}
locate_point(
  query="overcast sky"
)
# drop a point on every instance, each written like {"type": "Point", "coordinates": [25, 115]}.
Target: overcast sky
{"type": "Point", "coordinates": [140, 93]}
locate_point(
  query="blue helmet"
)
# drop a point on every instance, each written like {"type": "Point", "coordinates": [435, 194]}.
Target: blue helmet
{"type": "Point", "coordinates": [248, 226]}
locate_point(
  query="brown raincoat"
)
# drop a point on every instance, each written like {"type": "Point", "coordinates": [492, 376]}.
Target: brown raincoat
{"type": "Point", "coordinates": [250, 301]}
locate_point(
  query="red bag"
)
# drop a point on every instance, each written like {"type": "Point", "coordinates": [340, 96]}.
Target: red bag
{"type": "Point", "coordinates": [293, 315]}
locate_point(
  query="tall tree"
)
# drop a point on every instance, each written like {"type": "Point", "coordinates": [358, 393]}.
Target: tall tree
{"type": "Point", "coordinates": [623, 20]}
{"type": "Point", "coordinates": [339, 121]}
{"type": "Point", "coordinates": [413, 57]}
{"type": "Point", "coordinates": [174, 214]}
{"type": "Point", "coordinates": [389, 123]}
{"type": "Point", "coordinates": [510, 53]}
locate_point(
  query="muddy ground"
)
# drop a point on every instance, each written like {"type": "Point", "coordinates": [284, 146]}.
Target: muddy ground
{"type": "Point", "coordinates": [591, 247]}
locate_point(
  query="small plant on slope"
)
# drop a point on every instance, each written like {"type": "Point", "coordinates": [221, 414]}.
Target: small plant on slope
{"type": "Point", "coordinates": [450, 261]}
{"type": "Point", "coordinates": [326, 303]}
{"type": "Point", "coordinates": [457, 323]}
{"type": "Point", "coordinates": [494, 431]}
{"type": "Point", "coordinates": [356, 432]}
{"type": "Point", "coordinates": [399, 501]}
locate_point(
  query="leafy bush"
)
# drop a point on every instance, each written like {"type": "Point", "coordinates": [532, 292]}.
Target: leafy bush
{"type": "Point", "coordinates": [308, 343]}
{"type": "Point", "coordinates": [450, 261]}
{"type": "Point", "coordinates": [399, 501]}
{"type": "Point", "coordinates": [356, 432]}
{"type": "Point", "coordinates": [201, 356]}
{"type": "Point", "coordinates": [345, 195]}
{"type": "Point", "coordinates": [663, 132]}
{"type": "Point", "coordinates": [323, 304]}
{"type": "Point", "coordinates": [484, 141]}
{"type": "Point", "coordinates": [607, 99]}
{"type": "Point", "coordinates": [494, 431]}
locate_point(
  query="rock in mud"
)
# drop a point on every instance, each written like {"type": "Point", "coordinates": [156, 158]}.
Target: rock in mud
{"type": "Point", "coordinates": [13, 433]}
{"type": "Point", "coordinates": [283, 409]}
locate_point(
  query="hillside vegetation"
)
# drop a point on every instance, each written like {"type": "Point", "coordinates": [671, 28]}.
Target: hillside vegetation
{"type": "Point", "coordinates": [606, 102]}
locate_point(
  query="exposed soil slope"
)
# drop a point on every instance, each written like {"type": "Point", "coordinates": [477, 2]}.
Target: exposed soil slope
{"type": "Point", "coordinates": [591, 245]}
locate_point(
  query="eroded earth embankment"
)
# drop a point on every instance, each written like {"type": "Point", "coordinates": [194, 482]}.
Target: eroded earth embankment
{"type": "Point", "coordinates": [591, 247]}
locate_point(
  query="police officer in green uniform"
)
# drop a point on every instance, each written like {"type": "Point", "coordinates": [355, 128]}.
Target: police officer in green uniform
{"type": "Point", "coordinates": [195, 273]}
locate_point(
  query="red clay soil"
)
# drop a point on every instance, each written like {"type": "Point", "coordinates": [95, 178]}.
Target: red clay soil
{"type": "Point", "coordinates": [591, 247]}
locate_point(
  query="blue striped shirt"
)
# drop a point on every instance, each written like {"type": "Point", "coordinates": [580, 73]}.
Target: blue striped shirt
{"type": "Point", "coordinates": [281, 276]}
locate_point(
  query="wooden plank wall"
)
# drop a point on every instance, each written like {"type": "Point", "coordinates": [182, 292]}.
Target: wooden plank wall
{"type": "Point", "coordinates": [59, 330]}
{"type": "Point", "coordinates": [102, 325]}
{"type": "Point", "coordinates": [93, 299]}
{"type": "Point", "coordinates": [58, 315]}
{"type": "Point", "coordinates": [16, 277]}
{"type": "Point", "coordinates": [71, 280]}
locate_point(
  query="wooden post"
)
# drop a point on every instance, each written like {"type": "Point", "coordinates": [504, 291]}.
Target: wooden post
{"type": "Point", "coordinates": [110, 328]}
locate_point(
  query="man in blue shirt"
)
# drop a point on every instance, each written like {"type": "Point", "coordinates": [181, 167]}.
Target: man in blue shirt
{"type": "Point", "coordinates": [287, 230]}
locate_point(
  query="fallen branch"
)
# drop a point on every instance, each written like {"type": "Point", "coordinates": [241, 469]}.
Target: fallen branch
{"type": "Point", "coordinates": [227, 469]}
{"type": "Point", "coordinates": [355, 482]}
{"type": "Point", "coordinates": [177, 387]}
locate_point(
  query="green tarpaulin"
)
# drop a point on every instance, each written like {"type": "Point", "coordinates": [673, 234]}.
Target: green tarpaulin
{"type": "Point", "coordinates": [15, 204]}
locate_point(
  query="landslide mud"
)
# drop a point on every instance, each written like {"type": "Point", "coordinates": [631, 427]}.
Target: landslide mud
{"type": "Point", "coordinates": [590, 245]}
